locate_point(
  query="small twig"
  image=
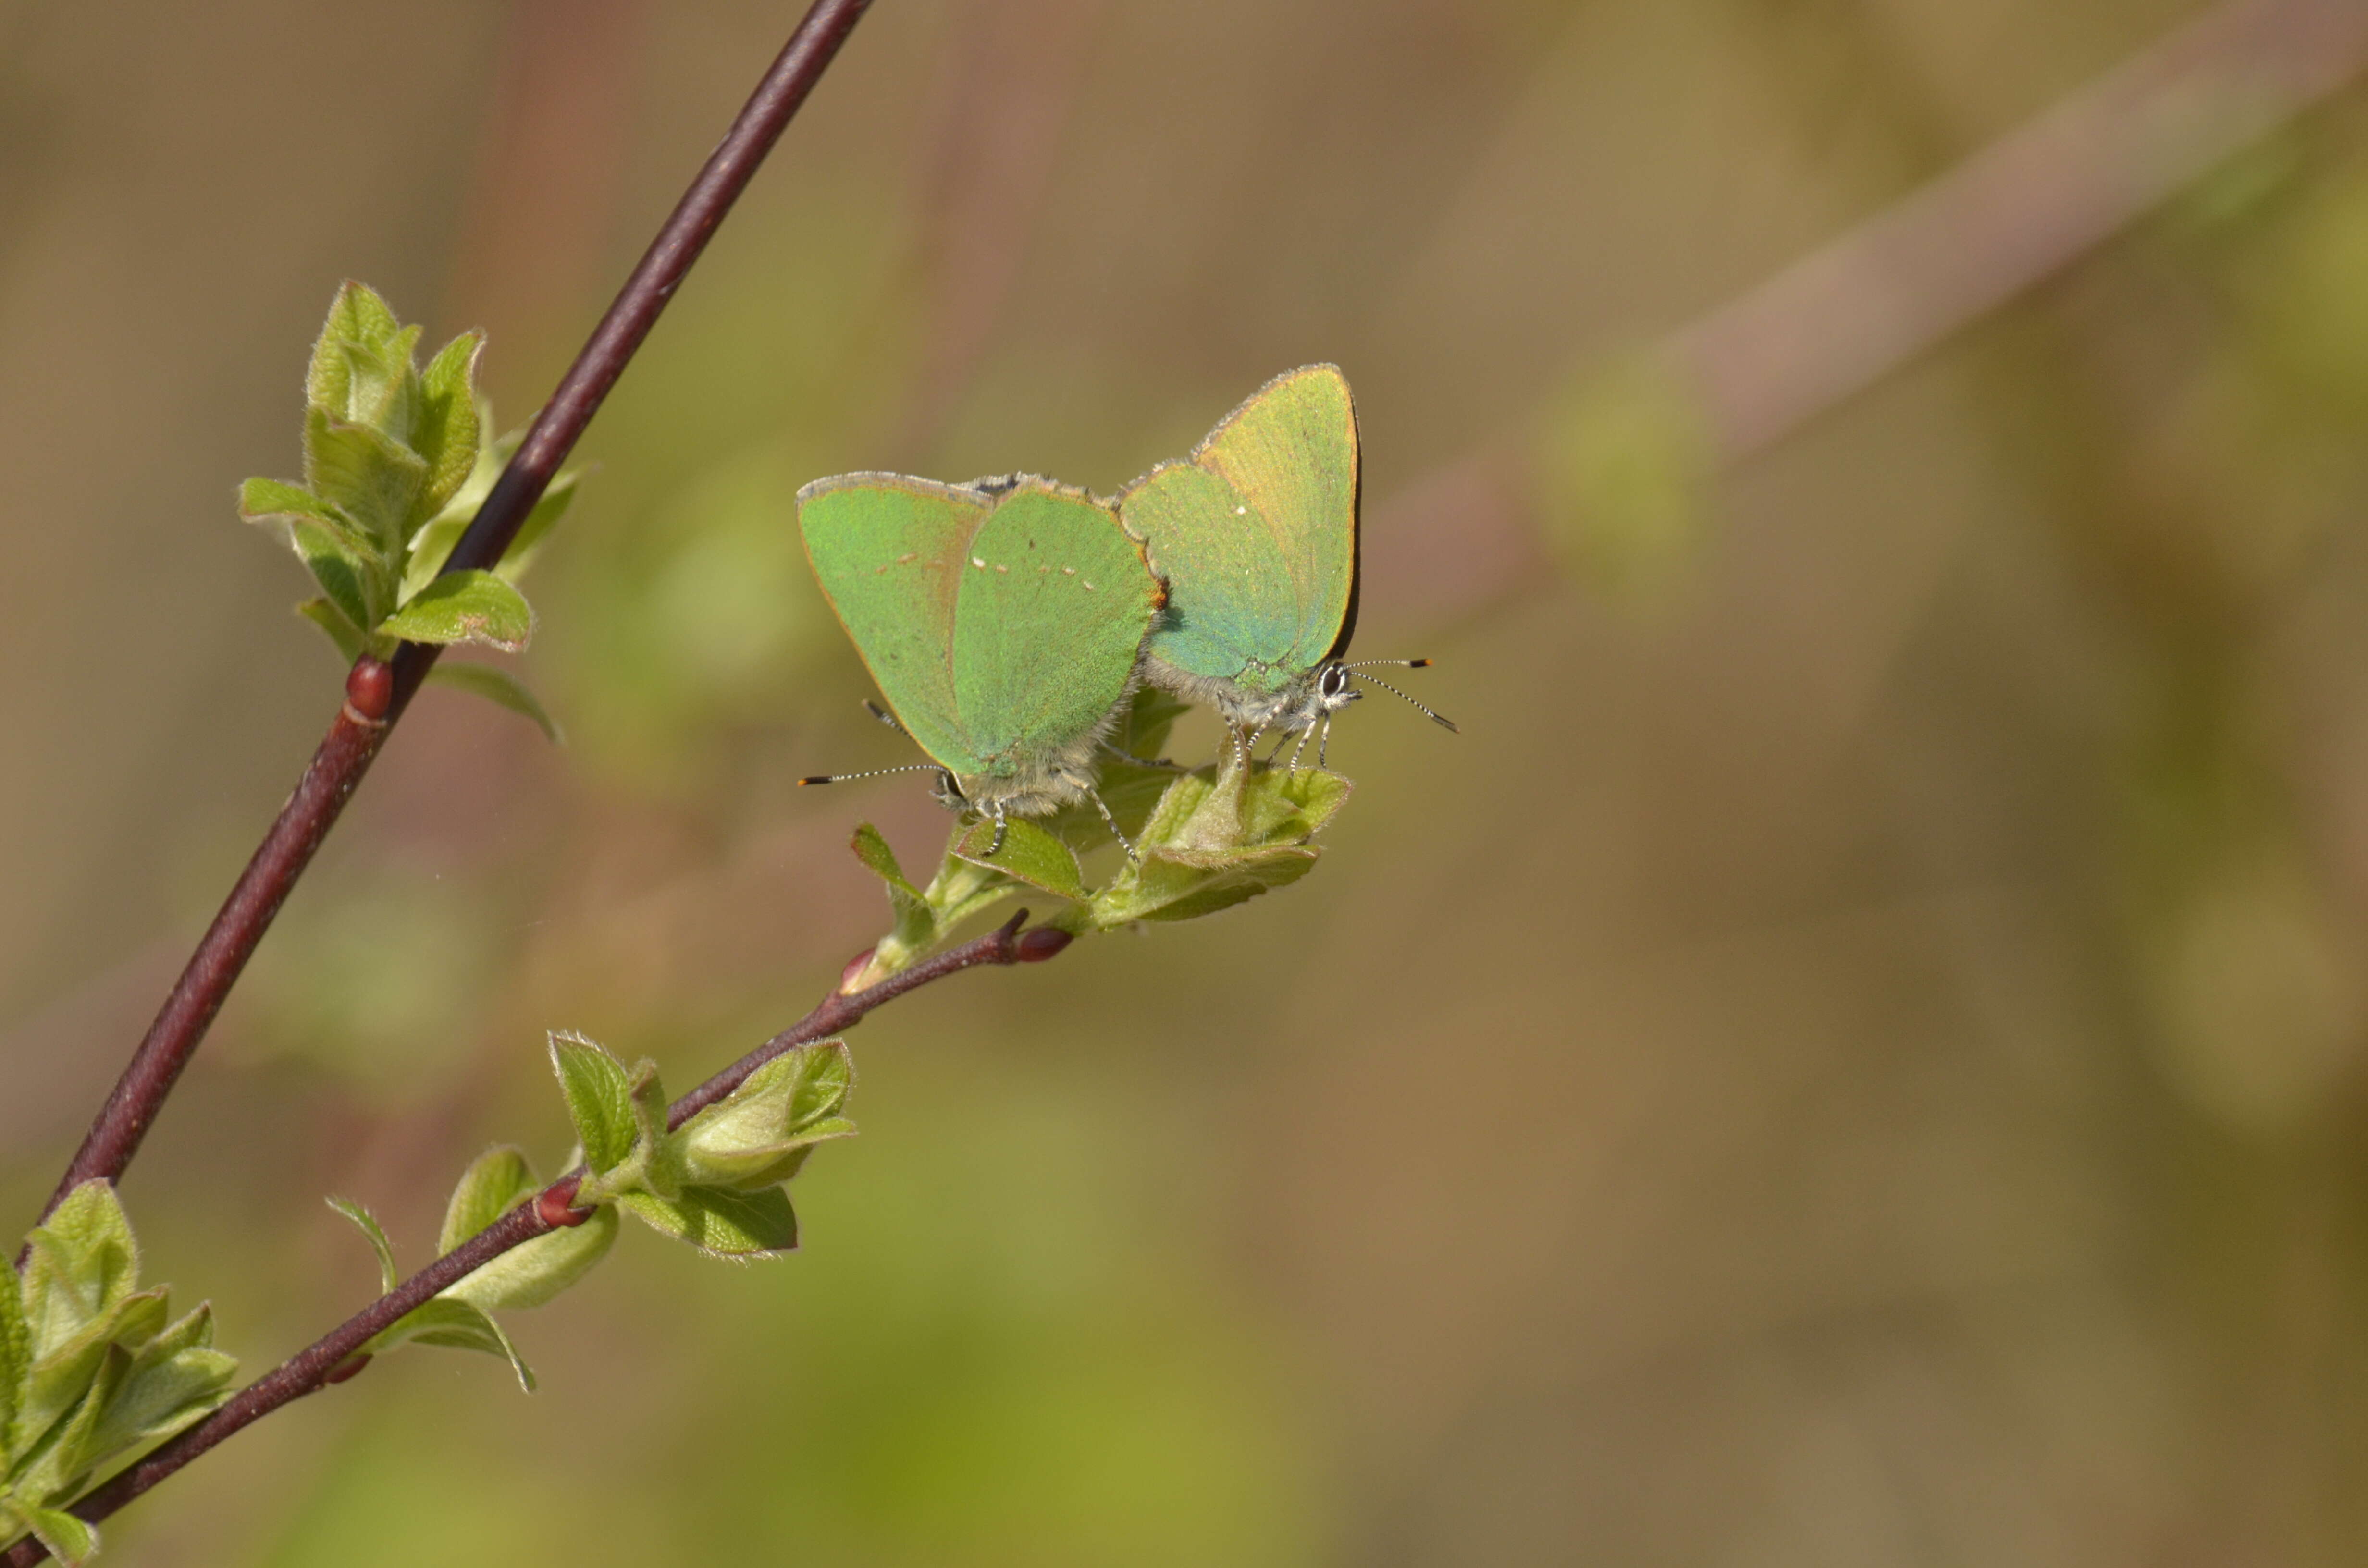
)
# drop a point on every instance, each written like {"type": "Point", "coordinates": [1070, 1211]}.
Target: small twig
{"type": "Point", "coordinates": [841, 1010]}
{"type": "Point", "coordinates": [377, 695]}
{"type": "Point", "coordinates": [331, 1359]}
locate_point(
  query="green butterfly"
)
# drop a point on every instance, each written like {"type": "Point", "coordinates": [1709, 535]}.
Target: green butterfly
{"type": "Point", "coordinates": [1256, 537]}
{"type": "Point", "coordinates": [1003, 620]}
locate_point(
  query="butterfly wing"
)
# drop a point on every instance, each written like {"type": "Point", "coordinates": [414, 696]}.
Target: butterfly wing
{"type": "Point", "coordinates": [890, 553]}
{"type": "Point", "coordinates": [1257, 534]}
{"type": "Point", "coordinates": [1055, 598]}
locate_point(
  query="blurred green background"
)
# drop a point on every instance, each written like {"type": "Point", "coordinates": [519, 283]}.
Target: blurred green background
{"type": "Point", "coordinates": [1854, 1055]}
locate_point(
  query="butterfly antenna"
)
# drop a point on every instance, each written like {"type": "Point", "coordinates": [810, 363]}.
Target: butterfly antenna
{"type": "Point", "coordinates": [1400, 663]}
{"type": "Point", "coordinates": [1439, 719]}
{"type": "Point", "coordinates": [868, 773]}
{"type": "Point", "coordinates": [883, 716]}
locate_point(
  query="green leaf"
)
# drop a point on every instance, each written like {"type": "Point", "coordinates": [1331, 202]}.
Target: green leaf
{"type": "Point", "coordinates": [465, 607]}
{"type": "Point", "coordinates": [351, 643]}
{"type": "Point", "coordinates": [389, 1276]}
{"type": "Point", "coordinates": [759, 1136]}
{"type": "Point", "coordinates": [369, 476]}
{"type": "Point", "coordinates": [430, 547]}
{"type": "Point", "coordinates": [357, 317]}
{"type": "Point", "coordinates": [556, 498]}
{"type": "Point", "coordinates": [495, 686]}
{"type": "Point", "coordinates": [447, 432]}
{"type": "Point", "coordinates": [15, 1356]}
{"type": "Point", "coordinates": [62, 1374]}
{"type": "Point", "coordinates": [495, 1183]}
{"type": "Point", "coordinates": [1241, 881]}
{"type": "Point", "coordinates": [1028, 853]}
{"type": "Point", "coordinates": [69, 1539]}
{"type": "Point", "coordinates": [264, 501]}
{"type": "Point", "coordinates": [350, 581]}
{"type": "Point", "coordinates": [454, 1324]}
{"type": "Point", "coordinates": [600, 1099]}
{"type": "Point", "coordinates": [169, 1386]}
{"type": "Point", "coordinates": [533, 1273]}
{"type": "Point", "coordinates": [82, 1263]}
{"type": "Point", "coordinates": [722, 1224]}
{"type": "Point", "coordinates": [880, 861]}
{"type": "Point", "coordinates": [916, 922]}
{"type": "Point", "coordinates": [660, 1150]}
{"type": "Point", "coordinates": [64, 1458]}
{"type": "Point", "coordinates": [383, 386]}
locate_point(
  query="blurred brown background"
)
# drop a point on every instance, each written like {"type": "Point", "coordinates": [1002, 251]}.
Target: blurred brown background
{"type": "Point", "coordinates": [1852, 1056]}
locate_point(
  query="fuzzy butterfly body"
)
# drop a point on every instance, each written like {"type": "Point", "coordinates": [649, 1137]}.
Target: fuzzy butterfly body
{"type": "Point", "coordinates": [1003, 620]}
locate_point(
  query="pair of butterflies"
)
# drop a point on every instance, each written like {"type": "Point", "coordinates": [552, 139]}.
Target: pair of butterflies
{"type": "Point", "coordinates": [1008, 621]}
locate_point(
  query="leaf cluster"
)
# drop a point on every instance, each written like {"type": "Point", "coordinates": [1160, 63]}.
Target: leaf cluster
{"type": "Point", "coordinates": [717, 1182]}
{"type": "Point", "coordinates": [1203, 839]}
{"type": "Point", "coordinates": [94, 1370]}
{"type": "Point", "coordinates": [396, 463]}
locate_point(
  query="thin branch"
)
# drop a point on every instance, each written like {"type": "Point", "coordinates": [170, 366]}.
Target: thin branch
{"type": "Point", "coordinates": [1842, 317]}
{"type": "Point", "coordinates": [332, 1358]}
{"type": "Point", "coordinates": [376, 695]}
{"type": "Point", "coordinates": [1816, 332]}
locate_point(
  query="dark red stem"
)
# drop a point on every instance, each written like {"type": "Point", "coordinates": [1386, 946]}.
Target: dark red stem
{"type": "Point", "coordinates": [332, 1359]}
{"type": "Point", "coordinates": [354, 739]}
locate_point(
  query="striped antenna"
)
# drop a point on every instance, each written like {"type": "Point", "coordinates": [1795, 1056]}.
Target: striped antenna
{"type": "Point", "coordinates": [1439, 719]}
{"type": "Point", "coordinates": [869, 773]}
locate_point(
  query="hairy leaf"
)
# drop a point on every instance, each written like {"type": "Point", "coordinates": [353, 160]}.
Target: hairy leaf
{"type": "Point", "coordinates": [389, 1276]}
{"type": "Point", "coordinates": [726, 1224]}
{"type": "Point", "coordinates": [69, 1539]}
{"type": "Point", "coordinates": [454, 1324]}
{"type": "Point", "coordinates": [533, 1273]}
{"type": "Point", "coordinates": [447, 432]}
{"type": "Point", "coordinates": [495, 686]}
{"type": "Point", "coordinates": [465, 607]}
{"type": "Point", "coordinates": [341, 630]}
{"type": "Point", "coordinates": [369, 476]}
{"type": "Point", "coordinates": [759, 1135]}
{"type": "Point", "coordinates": [83, 1262]}
{"type": "Point", "coordinates": [495, 1183]}
{"type": "Point", "coordinates": [600, 1099]}
{"type": "Point", "coordinates": [1028, 853]}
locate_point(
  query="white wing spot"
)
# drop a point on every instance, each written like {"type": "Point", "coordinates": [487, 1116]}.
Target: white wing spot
{"type": "Point", "coordinates": [1089, 587]}
{"type": "Point", "coordinates": [1241, 511]}
{"type": "Point", "coordinates": [1005, 570]}
{"type": "Point", "coordinates": [903, 558]}
{"type": "Point", "coordinates": [977, 562]}
{"type": "Point", "coordinates": [1068, 571]}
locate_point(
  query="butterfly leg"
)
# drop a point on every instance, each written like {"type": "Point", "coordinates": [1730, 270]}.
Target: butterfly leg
{"type": "Point", "coordinates": [996, 847]}
{"type": "Point", "coordinates": [1276, 752]}
{"type": "Point", "coordinates": [1159, 762]}
{"type": "Point", "coordinates": [1301, 747]}
{"type": "Point", "coordinates": [1325, 741]}
{"type": "Point", "coordinates": [1124, 842]}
